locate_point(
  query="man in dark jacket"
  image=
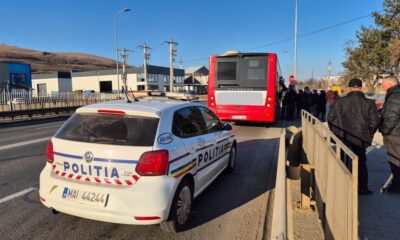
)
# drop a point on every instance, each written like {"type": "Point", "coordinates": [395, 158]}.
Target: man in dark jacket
{"type": "Point", "coordinates": [289, 101]}
{"type": "Point", "coordinates": [355, 119]}
{"type": "Point", "coordinates": [390, 128]}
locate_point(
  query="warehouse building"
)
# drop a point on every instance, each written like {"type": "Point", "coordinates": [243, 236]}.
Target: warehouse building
{"type": "Point", "coordinates": [52, 83]}
{"type": "Point", "coordinates": [105, 81]}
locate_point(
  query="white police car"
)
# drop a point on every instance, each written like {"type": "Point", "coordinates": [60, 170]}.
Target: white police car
{"type": "Point", "coordinates": [136, 163]}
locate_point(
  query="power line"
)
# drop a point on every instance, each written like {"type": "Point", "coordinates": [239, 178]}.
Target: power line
{"type": "Point", "coordinates": [300, 36]}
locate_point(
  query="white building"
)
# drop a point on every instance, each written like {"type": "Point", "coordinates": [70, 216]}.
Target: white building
{"type": "Point", "coordinates": [106, 80]}
{"type": "Point", "coordinates": [57, 82]}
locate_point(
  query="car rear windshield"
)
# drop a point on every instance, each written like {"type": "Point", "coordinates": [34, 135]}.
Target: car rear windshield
{"type": "Point", "coordinates": [110, 129]}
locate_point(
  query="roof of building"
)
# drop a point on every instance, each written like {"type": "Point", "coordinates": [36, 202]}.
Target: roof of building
{"type": "Point", "coordinates": [196, 69]}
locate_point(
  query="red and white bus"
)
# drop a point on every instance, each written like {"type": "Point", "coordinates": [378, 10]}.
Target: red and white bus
{"type": "Point", "coordinates": [244, 86]}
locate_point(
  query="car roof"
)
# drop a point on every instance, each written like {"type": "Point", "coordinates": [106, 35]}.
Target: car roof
{"type": "Point", "coordinates": [141, 108]}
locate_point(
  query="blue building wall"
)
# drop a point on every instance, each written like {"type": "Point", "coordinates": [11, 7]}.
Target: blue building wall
{"type": "Point", "coordinates": [17, 75]}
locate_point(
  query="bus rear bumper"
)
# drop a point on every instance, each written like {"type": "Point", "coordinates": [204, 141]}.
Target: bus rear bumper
{"type": "Point", "coordinates": [246, 115]}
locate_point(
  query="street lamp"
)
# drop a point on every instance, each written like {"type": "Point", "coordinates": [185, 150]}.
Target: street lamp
{"type": "Point", "coordinates": [116, 44]}
{"type": "Point", "coordinates": [295, 41]}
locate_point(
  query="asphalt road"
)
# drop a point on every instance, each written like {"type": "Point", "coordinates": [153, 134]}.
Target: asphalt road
{"type": "Point", "coordinates": [233, 207]}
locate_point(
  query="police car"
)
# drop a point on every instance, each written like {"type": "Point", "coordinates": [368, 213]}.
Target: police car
{"type": "Point", "coordinates": [136, 163]}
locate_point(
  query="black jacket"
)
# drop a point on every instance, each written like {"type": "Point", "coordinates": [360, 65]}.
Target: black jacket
{"type": "Point", "coordinates": [290, 98]}
{"type": "Point", "coordinates": [391, 112]}
{"type": "Point", "coordinates": [354, 119]}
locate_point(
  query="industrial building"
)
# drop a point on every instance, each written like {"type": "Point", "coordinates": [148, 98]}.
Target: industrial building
{"type": "Point", "coordinates": [58, 82]}
{"type": "Point", "coordinates": [15, 77]}
{"type": "Point", "coordinates": [105, 81]}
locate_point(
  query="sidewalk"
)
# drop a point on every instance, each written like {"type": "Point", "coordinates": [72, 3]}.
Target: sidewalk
{"type": "Point", "coordinates": [379, 214]}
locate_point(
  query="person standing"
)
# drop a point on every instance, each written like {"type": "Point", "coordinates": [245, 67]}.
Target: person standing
{"type": "Point", "coordinates": [289, 102]}
{"type": "Point", "coordinates": [307, 99]}
{"type": "Point", "coordinates": [321, 105]}
{"type": "Point", "coordinates": [330, 98]}
{"type": "Point", "coordinates": [390, 128]}
{"type": "Point", "coordinates": [314, 102]}
{"type": "Point", "coordinates": [354, 119]}
{"type": "Point", "coordinates": [299, 103]}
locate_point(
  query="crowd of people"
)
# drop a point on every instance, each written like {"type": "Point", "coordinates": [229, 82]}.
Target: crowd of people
{"type": "Point", "coordinates": [313, 101]}
{"type": "Point", "coordinates": [354, 119]}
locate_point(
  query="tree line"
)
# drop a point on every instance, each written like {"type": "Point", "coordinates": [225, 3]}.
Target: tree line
{"type": "Point", "coordinates": [377, 48]}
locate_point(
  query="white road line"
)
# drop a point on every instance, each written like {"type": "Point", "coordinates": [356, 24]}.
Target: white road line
{"type": "Point", "coordinates": [24, 143]}
{"type": "Point", "coordinates": [18, 194]}
{"type": "Point", "coordinates": [49, 126]}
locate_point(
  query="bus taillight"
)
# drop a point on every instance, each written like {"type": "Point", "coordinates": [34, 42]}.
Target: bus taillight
{"type": "Point", "coordinates": [212, 101]}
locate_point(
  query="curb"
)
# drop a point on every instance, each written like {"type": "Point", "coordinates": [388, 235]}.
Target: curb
{"type": "Point", "coordinates": [289, 210]}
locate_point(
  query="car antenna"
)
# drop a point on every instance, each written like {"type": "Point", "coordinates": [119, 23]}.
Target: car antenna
{"type": "Point", "coordinates": [133, 95]}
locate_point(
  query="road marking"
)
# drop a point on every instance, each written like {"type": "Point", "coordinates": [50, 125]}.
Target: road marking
{"type": "Point", "coordinates": [24, 143]}
{"type": "Point", "coordinates": [18, 194]}
{"type": "Point", "coordinates": [50, 126]}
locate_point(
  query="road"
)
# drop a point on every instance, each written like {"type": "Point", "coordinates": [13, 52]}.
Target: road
{"type": "Point", "coordinates": [233, 207]}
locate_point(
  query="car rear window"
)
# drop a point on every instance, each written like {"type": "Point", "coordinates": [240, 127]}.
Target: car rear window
{"type": "Point", "coordinates": [110, 129]}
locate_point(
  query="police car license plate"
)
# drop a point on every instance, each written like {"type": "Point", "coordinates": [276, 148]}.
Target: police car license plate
{"type": "Point", "coordinates": [98, 199]}
{"type": "Point", "coordinates": [239, 117]}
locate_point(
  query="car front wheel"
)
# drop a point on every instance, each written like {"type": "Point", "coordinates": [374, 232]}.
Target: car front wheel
{"type": "Point", "coordinates": [232, 160]}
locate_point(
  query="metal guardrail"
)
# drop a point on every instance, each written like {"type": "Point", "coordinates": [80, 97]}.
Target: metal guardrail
{"type": "Point", "coordinates": [336, 179]}
{"type": "Point", "coordinates": [32, 112]}
{"type": "Point", "coordinates": [28, 104]}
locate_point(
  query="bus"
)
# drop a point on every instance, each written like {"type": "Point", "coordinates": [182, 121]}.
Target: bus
{"type": "Point", "coordinates": [244, 86]}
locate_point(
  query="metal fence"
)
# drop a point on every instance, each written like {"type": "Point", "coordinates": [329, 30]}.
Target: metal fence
{"type": "Point", "coordinates": [18, 101]}
{"type": "Point", "coordinates": [336, 179]}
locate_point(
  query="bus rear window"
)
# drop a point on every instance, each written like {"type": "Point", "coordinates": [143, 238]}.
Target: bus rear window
{"type": "Point", "coordinates": [226, 71]}
{"type": "Point", "coordinates": [247, 73]}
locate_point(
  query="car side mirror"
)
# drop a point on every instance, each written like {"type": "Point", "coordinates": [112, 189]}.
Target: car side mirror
{"type": "Point", "coordinates": [227, 126]}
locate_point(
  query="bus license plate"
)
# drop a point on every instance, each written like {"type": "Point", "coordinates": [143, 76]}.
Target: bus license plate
{"type": "Point", "coordinates": [239, 117]}
{"type": "Point", "coordinates": [87, 197]}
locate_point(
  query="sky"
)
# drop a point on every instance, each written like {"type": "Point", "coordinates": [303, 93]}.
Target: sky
{"type": "Point", "coordinates": [201, 28]}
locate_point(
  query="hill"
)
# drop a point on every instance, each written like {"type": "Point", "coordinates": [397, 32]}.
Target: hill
{"type": "Point", "coordinates": [45, 62]}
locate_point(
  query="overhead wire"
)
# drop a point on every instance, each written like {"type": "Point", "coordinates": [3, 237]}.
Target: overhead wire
{"type": "Point", "coordinates": [292, 38]}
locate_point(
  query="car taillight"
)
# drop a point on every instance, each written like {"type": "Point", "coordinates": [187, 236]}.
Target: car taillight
{"type": "Point", "coordinates": [50, 152]}
{"type": "Point", "coordinates": [154, 163]}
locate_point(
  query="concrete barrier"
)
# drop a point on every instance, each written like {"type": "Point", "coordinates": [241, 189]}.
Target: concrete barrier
{"type": "Point", "coordinates": [279, 215]}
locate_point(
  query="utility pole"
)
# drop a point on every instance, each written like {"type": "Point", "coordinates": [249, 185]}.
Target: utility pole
{"type": "Point", "coordinates": [312, 74]}
{"type": "Point", "coordinates": [328, 78]}
{"type": "Point", "coordinates": [146, 58]}
{"type": "Point", "coordinates": [295, 42]}
{"type": "Point", "coordinates": [172, 55]}
{"type": "Point", "coordinates": [124, 55]}
{"type": "Point", "coordinates": [181, 63]}
{"type": "Point", "coordinates": [330, 68]}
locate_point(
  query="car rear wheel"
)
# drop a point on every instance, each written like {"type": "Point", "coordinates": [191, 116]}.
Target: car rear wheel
{"type": "Point", "coordinates": [180, 208]}
{"type": "Point", "coordinates": [232, 160]}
